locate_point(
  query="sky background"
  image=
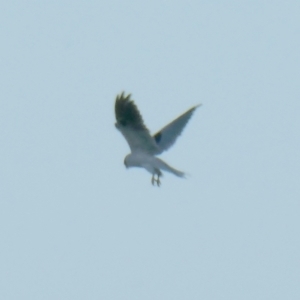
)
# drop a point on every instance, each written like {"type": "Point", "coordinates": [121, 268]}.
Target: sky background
{"type": "Point", "coordinates": [75, 224]}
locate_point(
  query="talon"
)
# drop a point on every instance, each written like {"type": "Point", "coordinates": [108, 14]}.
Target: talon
{"type": "Point", "coordinates": [155, 180]}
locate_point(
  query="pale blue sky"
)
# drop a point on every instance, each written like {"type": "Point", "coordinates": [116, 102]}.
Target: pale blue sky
{"type": "Point", "coordinates": [75, 224]}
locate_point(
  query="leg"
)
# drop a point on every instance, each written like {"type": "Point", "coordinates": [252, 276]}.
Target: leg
{"type": "Point", "coordinates": [154, 180]}
{"type": "Point", "coordinates": [157, 180]}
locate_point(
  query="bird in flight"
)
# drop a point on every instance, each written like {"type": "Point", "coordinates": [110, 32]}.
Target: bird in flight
{"type": "Point", "coordinates": [143, 146]}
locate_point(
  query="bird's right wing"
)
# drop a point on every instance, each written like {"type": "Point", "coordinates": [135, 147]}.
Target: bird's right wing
{"type": "Point", "coordinates": [131, 125]}
{"type": "Point", "coordinates": [167, 136]}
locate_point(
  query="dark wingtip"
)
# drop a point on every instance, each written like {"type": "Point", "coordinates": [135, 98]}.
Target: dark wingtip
{"type": "Point", "coordinates": [127, 113]}
{"type": "Point", "coordinates": [196, 106]}
{"type": "Point", "coordinates": [121, 97]}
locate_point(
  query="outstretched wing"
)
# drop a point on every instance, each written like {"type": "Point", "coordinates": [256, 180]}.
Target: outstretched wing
{"type": "Point", "coordinates": [167, 136]}
{"type": "Point", "coordinates": [131, 125]}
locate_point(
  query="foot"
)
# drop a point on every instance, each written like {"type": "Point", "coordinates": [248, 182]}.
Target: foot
{"type": "Point", "coordinates": [155, 180]}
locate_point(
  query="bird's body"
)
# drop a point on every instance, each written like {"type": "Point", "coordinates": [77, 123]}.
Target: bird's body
{"type": "Point", "coordinates": [145, 147]}
{"type": "Point", "coordinates": [152, 164]}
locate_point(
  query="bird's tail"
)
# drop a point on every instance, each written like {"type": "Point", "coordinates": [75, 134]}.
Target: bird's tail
{"type": "Point", "coordinates": [164, 166]}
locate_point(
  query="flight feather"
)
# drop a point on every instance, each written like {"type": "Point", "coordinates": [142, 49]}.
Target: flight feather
{"type": "Point", "coordinates": [167, 136]}
{"type": "Point", "coordinates": [131, 125]}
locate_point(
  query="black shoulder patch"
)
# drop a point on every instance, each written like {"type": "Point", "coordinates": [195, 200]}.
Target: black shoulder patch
{"type": "Point", "coordinates": [157, 137]}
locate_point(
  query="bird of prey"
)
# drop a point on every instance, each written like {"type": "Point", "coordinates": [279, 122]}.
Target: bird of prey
{"type": "Point", "coordinates": [143, 146]}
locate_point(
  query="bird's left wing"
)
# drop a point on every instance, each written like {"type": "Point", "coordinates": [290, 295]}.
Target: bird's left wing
{"type": "Point", "coordinates": [131, 125]}
{"type": "Point", "coordinates": [167, 136]}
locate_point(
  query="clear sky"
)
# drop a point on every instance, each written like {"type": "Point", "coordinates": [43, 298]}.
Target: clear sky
{"type": "Point", "coordinates": [75, 224]}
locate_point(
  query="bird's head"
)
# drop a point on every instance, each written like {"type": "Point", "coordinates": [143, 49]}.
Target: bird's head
{"type": "Point", "coordinates": [129, 161]}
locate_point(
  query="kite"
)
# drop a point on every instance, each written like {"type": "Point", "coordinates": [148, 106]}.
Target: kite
{"type": "Point", "coordinates": [144, 147]}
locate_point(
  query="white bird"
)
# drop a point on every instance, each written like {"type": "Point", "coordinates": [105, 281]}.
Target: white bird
{"type": "Point", "coordinates": [143, 146]}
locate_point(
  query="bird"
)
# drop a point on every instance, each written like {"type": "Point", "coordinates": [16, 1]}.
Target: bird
{"type": "Point", "coordinates": [144, 146]}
